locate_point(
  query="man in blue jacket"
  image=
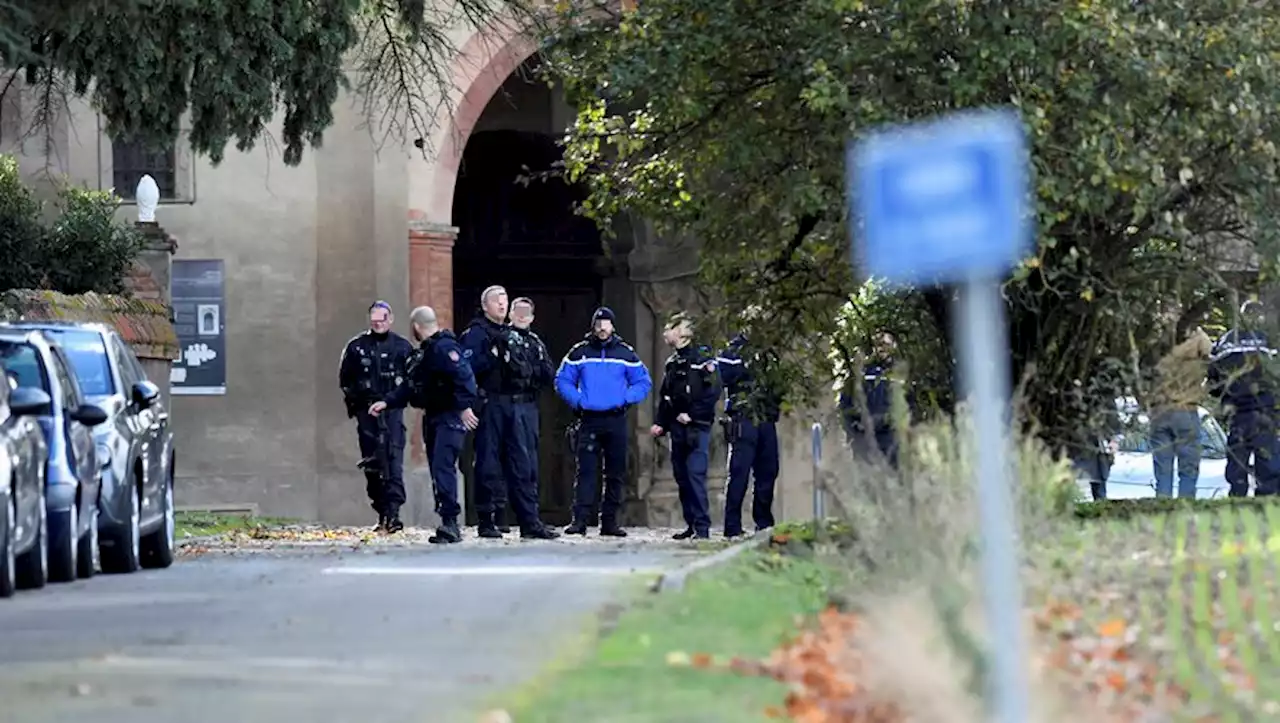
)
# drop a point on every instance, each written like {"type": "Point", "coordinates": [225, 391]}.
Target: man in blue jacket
{"type": "Point", "coordinates": [686, 411]}
{"type": "Point", "coordinates": [600, 378]}
{"type": "Point", "coordinates": [1240, 377]}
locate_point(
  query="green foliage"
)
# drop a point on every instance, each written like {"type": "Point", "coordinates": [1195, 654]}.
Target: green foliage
{"type": "Point", "coordinates": [1153, 128]}
{"type": "Point", "coordinates": [1126, 509]}
{"type": "Point", "coordinates": [232, 64]}
{"type": "Point", "coordinates": [84, 248]}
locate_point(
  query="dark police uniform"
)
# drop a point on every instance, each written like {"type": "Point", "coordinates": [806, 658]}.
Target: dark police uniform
{"type": "Point", "coordinates": [877, 387]}
{"type": "Point", "coordinates": [1239, 378]}
{"type": "Point", "coordinates": [600, 380]}
{"type": "Point", "coordinates": [442, 385]}
{"type": "Point", "coordinates": [503, 462]}
{"type": "Point", "coordinates": [372, 366]}
{"type": "Point", "coordinates": [752, 434]}
{"type": "Point", "coordinates": [690, 385]}
{"type": "Point", "coordinates": [529, 347]}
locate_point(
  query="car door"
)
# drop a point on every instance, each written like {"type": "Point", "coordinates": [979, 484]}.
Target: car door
{"type": "Point", "coordinates": [143, 422]}
{"type": "Point", "coordinates": [80, 445]}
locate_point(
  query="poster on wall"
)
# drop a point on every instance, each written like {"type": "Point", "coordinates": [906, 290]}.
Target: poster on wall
{"type": "Point", "coordinates": [199, 306]}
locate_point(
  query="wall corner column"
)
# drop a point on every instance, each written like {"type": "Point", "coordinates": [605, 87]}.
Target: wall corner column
{"type": "Point", "coordinates": [431, 266]}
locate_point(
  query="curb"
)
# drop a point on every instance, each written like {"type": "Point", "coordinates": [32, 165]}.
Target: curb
{"type": "Point", "coordinates": [673, 581]}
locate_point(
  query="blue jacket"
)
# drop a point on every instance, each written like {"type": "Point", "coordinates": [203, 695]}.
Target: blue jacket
{"type": "Point", "coordinates": [1238, 373]}
{"type": "Point", "coordinates": [602, 376]}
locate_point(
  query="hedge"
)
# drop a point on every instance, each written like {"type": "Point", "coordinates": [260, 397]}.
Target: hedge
{"type": "Point", "coordinates": [145, 325]}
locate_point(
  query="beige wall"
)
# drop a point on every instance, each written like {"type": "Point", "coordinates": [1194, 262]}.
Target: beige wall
{"type": "Point", "coordinates": [306, 250]}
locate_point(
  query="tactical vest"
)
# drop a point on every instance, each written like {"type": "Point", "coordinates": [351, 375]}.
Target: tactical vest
{"type": "Point", "coordinates": [518, 357]}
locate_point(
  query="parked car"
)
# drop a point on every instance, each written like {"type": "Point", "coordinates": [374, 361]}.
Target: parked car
{"type": "Point", "coordinates": [72, 473]}
{"type": "Point", "coordinates": [136, 523]}
{"type": "Point", "coordinates": [23, 537]}
{"type": "Point", "coordinates": [1133, 473]}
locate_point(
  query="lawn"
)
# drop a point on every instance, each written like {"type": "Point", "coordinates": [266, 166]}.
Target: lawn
{"type": "Point", "coordinates": [200, 524]}
{"type": "Point", "coordinates": [639, 672]}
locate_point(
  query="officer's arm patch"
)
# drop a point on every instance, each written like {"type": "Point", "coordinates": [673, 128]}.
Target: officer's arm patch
{"type": "Point", "coordinates": [453, 356]}
{"type": "Point", "coordinates": [466, 353]}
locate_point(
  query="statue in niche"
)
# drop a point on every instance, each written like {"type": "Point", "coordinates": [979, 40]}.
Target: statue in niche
{"type": "Point", "coordinates": [148, 197]}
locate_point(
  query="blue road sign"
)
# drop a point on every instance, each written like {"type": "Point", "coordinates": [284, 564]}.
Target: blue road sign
{"type": "Point", "coordinates": [941, 201]}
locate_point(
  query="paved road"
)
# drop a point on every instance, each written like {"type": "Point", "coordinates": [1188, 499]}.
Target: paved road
{"type": "Point", "coordinates": [398, 635]}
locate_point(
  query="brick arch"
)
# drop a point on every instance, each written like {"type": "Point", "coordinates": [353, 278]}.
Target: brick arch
{"type": "Point", "coordinates": [485, 62]}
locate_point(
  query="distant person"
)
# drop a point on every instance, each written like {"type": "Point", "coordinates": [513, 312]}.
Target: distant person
{"type": "Point", "coordinates": [528, 347]}
{"type": "Point", "coordinates": [1241, 378]}
{"type": "Point", "coordinates": [600, 379]}
{"type": "Point", "coordinates": [442, 386]}
{"type": "Point", "coordinates": [373, 364]}
{"type": "Point", "coordinates": [686, 412]}
{"type": "Point", "coordinates": [752, 410]}
{"type": "Point", "coordinates": [1175, 414]}
{"type": "Point", "coordinates": [877, 391]}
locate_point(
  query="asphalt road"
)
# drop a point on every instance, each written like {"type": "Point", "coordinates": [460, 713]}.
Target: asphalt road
{"type": "Point", "coordinates": [400, 635]}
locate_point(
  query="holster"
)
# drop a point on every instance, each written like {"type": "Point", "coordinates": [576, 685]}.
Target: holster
{"type": "Point", "coordinates": [732, 428]}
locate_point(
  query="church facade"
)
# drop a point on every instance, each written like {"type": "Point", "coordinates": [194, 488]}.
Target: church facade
{"type": "Point", "coordinates": [303, 251]}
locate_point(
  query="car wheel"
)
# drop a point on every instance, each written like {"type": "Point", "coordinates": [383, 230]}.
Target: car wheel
{"type": "Point", "coordinates": [158, 547]}
{"type": "Point", "coordinates": [33, 565]}
{"type": "Point", "coordinates": [88, 553]}
{"type": "Point", "coordinates": [123, 555]}
{"type": "Point", "coordinates": [8, 565]}
{"type": "Point", "coordinates": [63, 545]}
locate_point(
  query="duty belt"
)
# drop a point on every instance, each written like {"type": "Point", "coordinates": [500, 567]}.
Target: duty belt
{"type": "Point", "coordinates": [519, 398]}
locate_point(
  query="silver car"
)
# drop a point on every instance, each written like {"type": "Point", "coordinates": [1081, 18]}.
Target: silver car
{"type": "Point", "coordinates": [134, 446]}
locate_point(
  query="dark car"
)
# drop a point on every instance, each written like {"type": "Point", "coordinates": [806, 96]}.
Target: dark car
{"type": "Point", "coordinates": [72, 474]}
{"type": "Point", "coordinates": [135, 445]}
{"type": "Point", "coordinates": [23, 538]}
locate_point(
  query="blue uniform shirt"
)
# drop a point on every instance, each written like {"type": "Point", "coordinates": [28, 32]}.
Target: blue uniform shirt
{"type": "Point", "coordinates": [742, 389]}
{"type": "Point", "coordinates": [481, 342]}
{"type": "Point", "coordinates": [1238, 373]}
{"type": "Point", "coordinates": [601, 376]}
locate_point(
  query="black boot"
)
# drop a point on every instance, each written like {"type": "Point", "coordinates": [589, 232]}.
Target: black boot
{"type": "Point", "coordinates": [688, 532]}
{"type": "Point", "coordinates": [579, 527]}
{"type": "Point", "coordinates": [446, 534]}
{"type": "Point", "coordinates": [611, 528]}
{"type": "Point", "coordinates": [486, 529]}
{"type": "Point", "coordinates": [538, 531]}
{"type": "Point", "coordinates": [392, 523]}
{"type": "Point", "coordinates": [500, 521]}
{"type": "Point", "coordinates": [382, 523]}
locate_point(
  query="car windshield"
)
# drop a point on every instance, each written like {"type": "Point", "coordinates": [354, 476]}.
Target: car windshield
{"type": "Point", "coordinates": [88, 355]}
{"type": "Point", "coordinates": [1136, 437]}
{"type": "Point", "coordinates": [21, 362]}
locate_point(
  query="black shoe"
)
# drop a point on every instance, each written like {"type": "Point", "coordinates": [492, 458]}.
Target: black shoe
{"type": "Point", "coordinates": [394, 524]}
{"type": "Point", "coordinates": [734, 535]}
{"type": "Point", "coordinates": [611, 529]}
{"type": "Point", "coordinates": [489, 532]}
{"type": "Point", "coordinates": [446, 534]}
{"type": "Point", "coordinates": [382, 524]}
{"type": "Point", "coordinates": [577, 528]}
{"type": "Point", "coordinates": [538, 532]}
{"type": "Point", "coordinates": [500, 521]}
{"type": "Point", "coordinates": [702, 535]}
{"type": "Point", "coordinates": [683, 535]}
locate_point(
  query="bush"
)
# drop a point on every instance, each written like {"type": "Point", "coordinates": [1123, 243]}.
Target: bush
{"type": "Point", "coordinates": [1127, 509]}
{"type": "Point", "coordinates": [84, 248]}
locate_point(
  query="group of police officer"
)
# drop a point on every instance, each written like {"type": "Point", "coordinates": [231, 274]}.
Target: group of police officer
{"type": "Point", "coordinates": [488, 382]}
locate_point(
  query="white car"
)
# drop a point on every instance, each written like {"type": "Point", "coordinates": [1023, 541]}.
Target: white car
{"type": "Point", "coordinates": [1133, 472]}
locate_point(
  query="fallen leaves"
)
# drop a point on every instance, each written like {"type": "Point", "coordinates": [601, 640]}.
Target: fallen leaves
{"type": "Point", "coordinates": [821, 668]}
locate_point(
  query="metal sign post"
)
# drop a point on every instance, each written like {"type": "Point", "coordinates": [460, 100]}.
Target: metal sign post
{"type": "Point", "coordinates": [819, 494]}
{"type": "Point", "coordinates": [947, 202]}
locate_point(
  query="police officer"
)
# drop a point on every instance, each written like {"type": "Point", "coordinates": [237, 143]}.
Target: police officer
{"type": "Point", "coordinates": [752, 410]}
{"type": "Point", "coordinates": [502, 462]}
{"type": "Point", "coordinates": [372, 366]}
{"type": "Point", "coordinates": [877, 389]}
{"type": "Point", "coordinates": [600, 378]}
{"type": "Point", "coordinates": [1240, 378]}
{"type": "Point", "coordinates": [528, 346]}
{"type": "Point", "coordinates": [686, 411]}
{"type": "Point", "coordinates": [442, 385]}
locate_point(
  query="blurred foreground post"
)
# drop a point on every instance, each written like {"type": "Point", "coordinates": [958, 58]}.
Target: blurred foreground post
{"type": "Point", "coordinates": [819, 494]}
{"type": "Point", "coordinates": [946, 202]}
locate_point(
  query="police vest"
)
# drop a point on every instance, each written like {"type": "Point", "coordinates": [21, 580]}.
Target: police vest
{"type": "Point", "coordinates": [519, 359]}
